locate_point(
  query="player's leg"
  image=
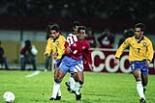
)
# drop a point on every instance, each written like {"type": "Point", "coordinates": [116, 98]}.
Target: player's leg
{"type": "Point", "coordinates": [58, 76]}
{"type": "Point", "coordinates": [23, 63]}
{"type": "Point", "coordinates": [5, 63]}
{"type": "Point", "coordinates": [144, 82]}
{"type": "Point", "coordinates": [56, 70]}
{"type": "Point", "coordinates": [56, 87]}
{"type": "Point", "coordinates": [70, 83]}
{"type": "Point", "coordinates": [144, 75]}
{"type": "Point", "coordinates": [56, 84]}
{"type": "Point", "coordinates": [33, 62]}
{"type": "Point", "coordinates": [79, 79]}
{"type": "Point", "coordinates": [137, 74]}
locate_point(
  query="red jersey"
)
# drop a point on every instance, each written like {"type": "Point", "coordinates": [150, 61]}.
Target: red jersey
{"type": "Point", "coordinates": [80, 50]}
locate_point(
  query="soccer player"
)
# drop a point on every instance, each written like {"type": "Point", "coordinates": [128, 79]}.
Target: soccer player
{"type": "Point", "coordinates": [71, 39]}
{"type": "Point", "coordinates": [73, 62]}
{"type": "Point", "coordinates": [140, 55]}
{"type": "Point", "coordinates": [57, 48]}
{"type": "Point", "coordinates": [83, 47]}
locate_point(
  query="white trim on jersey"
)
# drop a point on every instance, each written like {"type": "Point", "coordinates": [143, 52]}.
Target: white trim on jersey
{"type": "Point", "coordinates": [71, 39]}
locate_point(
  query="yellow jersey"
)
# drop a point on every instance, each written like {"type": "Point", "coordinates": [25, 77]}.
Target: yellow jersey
{"type": "Point", "coordinates": [49, 47]}
{"type": "Point", "coordinates": [56, 46]}
{"type": "Point", "coordinates": [137, 51]}
{"type": "Point", "coordinates": [59, 46]}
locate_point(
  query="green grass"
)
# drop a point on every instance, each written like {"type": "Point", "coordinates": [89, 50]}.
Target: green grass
{"type": "Point", "coordinates": [98, 88]}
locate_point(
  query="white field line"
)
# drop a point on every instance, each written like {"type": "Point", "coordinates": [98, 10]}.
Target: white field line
{"type": "Point", "coordinates": [32, 74]}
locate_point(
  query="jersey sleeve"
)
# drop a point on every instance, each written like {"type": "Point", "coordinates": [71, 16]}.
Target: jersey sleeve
{"type": "Point", "coordinates": [49, 47]}
{"type": "Point", "coordinates": [150, 51]}
{"type": "Point", "coordinates": [87, 54]}
{"type": "Point", "coordinates": [62, 46]}
{"type": "Point", "coordinates": [122, 47]}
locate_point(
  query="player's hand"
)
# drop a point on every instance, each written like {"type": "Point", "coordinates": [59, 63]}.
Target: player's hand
{"type": "Point", "coordinates": [148, 62]}
{"type": "Point", "coordinates": [116, 61]}
{"type": "Point", "coordinates": [54, 55]}
{"type": "Point", "coordinates": [68, 50]}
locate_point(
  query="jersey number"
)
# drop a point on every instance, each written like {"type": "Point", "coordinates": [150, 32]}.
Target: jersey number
{"type": "Point", "coordinates": [138, 50]}
{"type": "Point", "coordinates": [71, 39]}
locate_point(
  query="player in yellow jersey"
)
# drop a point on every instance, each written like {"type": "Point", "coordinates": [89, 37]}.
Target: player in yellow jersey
{"type": "Point", "coordinates": [140, 55]}
{"type": "Point", "coordinates": [55, 46]}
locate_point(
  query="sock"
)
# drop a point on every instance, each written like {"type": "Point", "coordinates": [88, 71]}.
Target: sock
{"type": "Point", "coordinates": [77, 88]}
{"type": "Point", "coordinates": [56, 88]}
{"type": "Point", "coordinates": [59, 92]}
{"type": "Point", "coordinates": [72, 83]}
{"type": "Point", "coordinates": [140, 89]}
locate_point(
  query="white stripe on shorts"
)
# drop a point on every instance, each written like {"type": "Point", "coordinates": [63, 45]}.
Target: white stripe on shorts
{"type": "Point", "coordinates": [79, 68]}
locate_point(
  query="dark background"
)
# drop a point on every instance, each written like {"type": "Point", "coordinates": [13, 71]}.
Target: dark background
{"type": "Point", "coordinates": [97, 14]}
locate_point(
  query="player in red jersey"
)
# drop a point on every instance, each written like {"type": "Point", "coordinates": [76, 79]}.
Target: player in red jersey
{"type": "Point", "coordinates": [79, 51]}
{"type": "Point", "coordinates": [80, 46]}
{"type": "Point", "coordinates": [73, 61]}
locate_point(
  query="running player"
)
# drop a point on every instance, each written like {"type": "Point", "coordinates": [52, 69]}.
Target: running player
{"type": "Point", "coordinates": [140, 55]}
{"type": "Point", "coordinates": [56, 47]}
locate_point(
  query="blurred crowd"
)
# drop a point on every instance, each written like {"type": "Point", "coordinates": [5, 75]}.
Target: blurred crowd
{"type": "Point", "coordinates": [103, 40]}
{"type": "Point", "coordinates": [129, 9]}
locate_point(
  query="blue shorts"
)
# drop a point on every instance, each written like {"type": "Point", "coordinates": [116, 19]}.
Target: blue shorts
{"type": "Point", "coordinates": [140, 65]}
{"type": "Point", "coordinates": [57, 63]}
{"type": "Point", "coordinates": [70, 65]}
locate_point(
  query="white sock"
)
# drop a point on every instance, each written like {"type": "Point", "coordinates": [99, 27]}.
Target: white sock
{"type": "Point", "coordinates": [72, 83]}
{"type": "Point", "coordinates": [59, 92]}
{"type": "Point", "coordinates": [56, 88]}
{"type": "Point", "coordinates": [77, 88]}
{"type": "Point", "coordinates": [140, 89]}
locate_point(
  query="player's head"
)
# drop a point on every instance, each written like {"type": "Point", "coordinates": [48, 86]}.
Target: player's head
{"type": "Point", "coordinates": [81, 32]}
{"type": "Point", "coordinates": [76, 24]}
{"type": "Point", "coordinates": [139, 30]}
{"type": "Point", "coordinates": [54, 30]}
{"type": "Point", "coordinates": [28, 43]}
{"type": "Point", "coordinates": [48, 35]}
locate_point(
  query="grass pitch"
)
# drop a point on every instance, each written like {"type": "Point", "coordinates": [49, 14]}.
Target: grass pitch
{"type": "Point", "coordinates": [98, 88]}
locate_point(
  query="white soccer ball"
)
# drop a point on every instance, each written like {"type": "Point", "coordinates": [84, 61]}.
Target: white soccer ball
{"type": "Point", "coordinates": [9, 97]}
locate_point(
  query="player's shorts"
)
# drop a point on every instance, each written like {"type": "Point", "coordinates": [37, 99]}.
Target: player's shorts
{"type": "Point", "coordinates": [140, 65]}
{"type": "Point", "coordinates": [57, 63]}
{"type": "Point", "coordinates": [71, 65]}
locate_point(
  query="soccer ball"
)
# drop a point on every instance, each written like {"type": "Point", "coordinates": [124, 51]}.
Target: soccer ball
{"type": "Point", "coordinates": [9, 97]}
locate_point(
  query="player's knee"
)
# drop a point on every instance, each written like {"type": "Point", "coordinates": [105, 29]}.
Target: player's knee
{"type": "Point", "coordinates": [138, 79]}
{"type": "Point", "coordinates": [57, 80]}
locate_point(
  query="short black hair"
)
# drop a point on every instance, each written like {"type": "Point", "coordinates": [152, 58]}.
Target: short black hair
{"type": "Point", "coordinates": [140, 25]}
{"type": "Point", "coordinates": [76, 23]}
{"type": "Point", "coordinates": [55, 27]}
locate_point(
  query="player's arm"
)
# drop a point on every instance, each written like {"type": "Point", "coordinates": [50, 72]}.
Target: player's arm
{"type": "Point", "coordinates": [49, 47]}
{"type": "Point", "coordinates": [87, 58]}
{"type": "Point", "coordinates": [122, 47]}
{"type": "Point", "coordinates": [62, 45]}
{"type": "Point", "coordinates": [150, 51]}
